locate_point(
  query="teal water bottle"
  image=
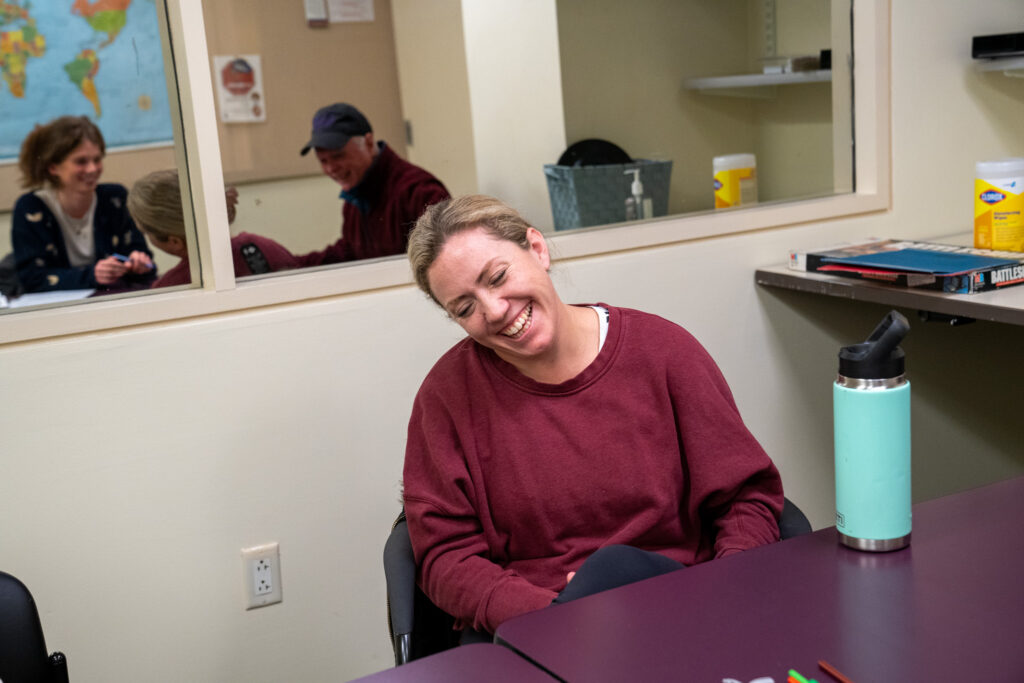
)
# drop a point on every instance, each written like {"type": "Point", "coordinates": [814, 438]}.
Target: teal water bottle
{"type": "Point", "coordinates": [871, 412]}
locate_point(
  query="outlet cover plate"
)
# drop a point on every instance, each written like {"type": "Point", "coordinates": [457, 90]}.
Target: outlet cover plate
{"type": "Point", "coordinates": [261, 575]}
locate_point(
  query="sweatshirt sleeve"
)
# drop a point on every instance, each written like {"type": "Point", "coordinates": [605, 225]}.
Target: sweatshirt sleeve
{"type": "Point", "coordinates": [338, 252]}
{"type": "Point", "coordinates": [734, 485]}
{"type": "Point", "coordinates": [453, 556]}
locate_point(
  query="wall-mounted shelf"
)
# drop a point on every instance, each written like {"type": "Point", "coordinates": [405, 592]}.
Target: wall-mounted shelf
{"type": "Point", "coordinates": [756, 85]}
{"type": "Point", "coordinates": [1010, 66]}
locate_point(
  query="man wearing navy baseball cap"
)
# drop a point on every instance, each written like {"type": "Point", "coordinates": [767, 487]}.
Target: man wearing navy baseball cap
{"type": "Point", "coordinates": [384, 194]}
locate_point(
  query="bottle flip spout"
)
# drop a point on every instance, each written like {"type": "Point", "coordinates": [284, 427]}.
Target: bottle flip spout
{"type": "Point", "coordinates": [880, 356]}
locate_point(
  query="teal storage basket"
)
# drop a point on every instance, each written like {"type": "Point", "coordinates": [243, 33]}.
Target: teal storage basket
{"type": "Point", "coordinates": [582, 196]}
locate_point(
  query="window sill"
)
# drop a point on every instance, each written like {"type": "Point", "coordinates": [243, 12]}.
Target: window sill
{"type": "Point", "coordinates": [363, 277]}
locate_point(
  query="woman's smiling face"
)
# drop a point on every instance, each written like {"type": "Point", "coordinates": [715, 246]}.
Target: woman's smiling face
{"type": "Point", "coordinates": [498, 292]}
{"type": "Point", "coordinates": [80, 171]}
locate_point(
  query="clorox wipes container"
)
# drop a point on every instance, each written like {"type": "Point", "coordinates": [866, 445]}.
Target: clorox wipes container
{"type": "Point", "coordinates": [735, 180]}
{"type": "Point", "coordinates": [998, 203]}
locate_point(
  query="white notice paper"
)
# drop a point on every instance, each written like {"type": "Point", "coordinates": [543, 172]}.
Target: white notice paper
{"type": "Point", "coordinates": [350, 10]}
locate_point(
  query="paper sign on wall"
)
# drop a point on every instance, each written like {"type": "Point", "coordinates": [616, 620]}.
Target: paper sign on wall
{"type": "Point", "coordinates": [239, 81]}
{"type": "Point", "coordinates": [350, 10]}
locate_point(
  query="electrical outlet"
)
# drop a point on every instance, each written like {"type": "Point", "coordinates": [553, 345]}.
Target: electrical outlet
{"type": "Point", "coordinates": [261, 575]}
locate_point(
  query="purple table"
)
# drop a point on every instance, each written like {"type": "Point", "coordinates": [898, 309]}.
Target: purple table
{"type": "Point", "coordinates": [948, 608]}
{"type": "Point", "coordinates": [479, 662]}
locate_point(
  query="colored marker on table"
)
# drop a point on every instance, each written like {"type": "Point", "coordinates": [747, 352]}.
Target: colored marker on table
{"type": "Point", "coordinates": [794, 677]}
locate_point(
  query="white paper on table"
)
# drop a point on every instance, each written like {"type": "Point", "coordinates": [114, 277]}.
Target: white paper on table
{"type": "Point", "coordinates": [54, 297]}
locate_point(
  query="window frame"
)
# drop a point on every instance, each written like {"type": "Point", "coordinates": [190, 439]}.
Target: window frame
{"type": "Point", "coordinates": [220, 293]}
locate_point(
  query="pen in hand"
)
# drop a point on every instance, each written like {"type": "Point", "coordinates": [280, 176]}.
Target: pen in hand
{"type": "Point", "coordinates": [125, 259]}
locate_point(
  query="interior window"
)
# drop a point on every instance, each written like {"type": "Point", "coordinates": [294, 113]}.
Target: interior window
{"type": "Point", "coordinates": [90, 109]}
{"type": "Point", "coordinates": [485, 97]}
{"type": "Point", "coordinates": [745, 91]}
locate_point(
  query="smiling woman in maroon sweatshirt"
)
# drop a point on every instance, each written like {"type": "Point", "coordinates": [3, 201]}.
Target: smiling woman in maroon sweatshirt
{"type": "Point", "coordinates": [563, 449]}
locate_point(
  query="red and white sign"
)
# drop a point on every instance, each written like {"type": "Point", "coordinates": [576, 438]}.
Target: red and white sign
{"type": "Point", "coordinates": [239, 82]}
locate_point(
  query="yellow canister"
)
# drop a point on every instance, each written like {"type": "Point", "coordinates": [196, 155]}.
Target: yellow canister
{"type": "Point", "coordinates": [735, 180]}
{"type": "Point", "coordinates": [998, 203]}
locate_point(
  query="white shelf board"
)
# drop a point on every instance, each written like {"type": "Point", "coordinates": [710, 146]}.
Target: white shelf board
{"type": "Point", "coordinates": [757, 80]}
{"type": "Point", "coordinates": [1011, 66]}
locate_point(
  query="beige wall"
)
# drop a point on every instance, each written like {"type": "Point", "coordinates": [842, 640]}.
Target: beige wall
{"type": "Point", "coordinates": [515, 92]}
{"type": "Point", "coordinates": [487, 114]}
{"type": "Point", "coordinates": [137, 463]}
{"type": "Point", "coordinates": [635, 98]}
{"type": "Point", "coordinates": [794, 127]}
{"type": "Point", "coordinates": [304, 69]}
{"type": "Point", "coordinates": [435, 91]}
{"type": "Point", "coordinates": [5, 232]}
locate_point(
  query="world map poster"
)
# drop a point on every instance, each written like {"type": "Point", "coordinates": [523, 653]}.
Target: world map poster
{"type": "Point", "coordinates": [98, 58]}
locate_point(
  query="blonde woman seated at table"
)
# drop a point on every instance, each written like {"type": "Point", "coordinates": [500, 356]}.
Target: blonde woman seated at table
{"type": "Point", "coordinates": [560, 450]}
{"type": "Point", "coordinates": [155, 204]}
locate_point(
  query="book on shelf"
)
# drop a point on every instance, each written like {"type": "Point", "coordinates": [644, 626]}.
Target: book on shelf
{"type": "Point", "coordinates": [925, 265]}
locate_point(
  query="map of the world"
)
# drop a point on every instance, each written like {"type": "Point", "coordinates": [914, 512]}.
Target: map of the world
{"type": "Point", "coordinates": [100, 58]}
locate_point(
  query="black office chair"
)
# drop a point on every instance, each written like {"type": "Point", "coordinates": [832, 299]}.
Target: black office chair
{"type": "Point", "coordinates": [10, 285]}
{"type": "Point", "coordinates": [23, 654]}
{"type": "Point", "coordinates": [419, 627]}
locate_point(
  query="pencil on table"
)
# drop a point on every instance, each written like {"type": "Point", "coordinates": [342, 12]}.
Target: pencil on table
{"type": "Point", "coordinates": [833, 672]}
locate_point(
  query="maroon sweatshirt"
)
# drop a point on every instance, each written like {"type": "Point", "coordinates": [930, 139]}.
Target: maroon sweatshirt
{"type": "Point", "coordinates": [511, 483]}
{"type": "Point", "coordinates": [383, 209]}
{"type": "Point", "coordinates": [274, 258]}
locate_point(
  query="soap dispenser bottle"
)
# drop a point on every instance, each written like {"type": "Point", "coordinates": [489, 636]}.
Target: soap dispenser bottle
{"type": "Point", "coordinates": [871, 402]}
{"type": "Point", "coordinates": [635, 203]}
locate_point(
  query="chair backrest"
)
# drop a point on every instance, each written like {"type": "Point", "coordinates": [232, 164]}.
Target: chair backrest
{"type": "Point", "coordinates": [23, 653]}
{"type": "Point", "coordinates": [417, 626]}
{"type": "Point", "coordinates": [10, 285]}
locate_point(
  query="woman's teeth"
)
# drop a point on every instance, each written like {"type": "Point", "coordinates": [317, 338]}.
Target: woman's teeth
{"type": "Point", "coordinates": [521, 324]}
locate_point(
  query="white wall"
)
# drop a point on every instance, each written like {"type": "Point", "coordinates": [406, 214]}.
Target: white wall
{"type": "Point", "coordinates": [136, 464]}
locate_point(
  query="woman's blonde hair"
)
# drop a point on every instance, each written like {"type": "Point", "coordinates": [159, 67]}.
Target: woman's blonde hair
{"type": "Point", "coordinates": [450, 217]}
{"type": "Point", "coordinates": [155, 205]}
{"type": "Point", "coordinates": [52, 143]}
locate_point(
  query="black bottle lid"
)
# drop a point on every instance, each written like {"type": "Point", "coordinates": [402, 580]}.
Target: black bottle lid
{"type": "Point", "coordinates": [880, 357]}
